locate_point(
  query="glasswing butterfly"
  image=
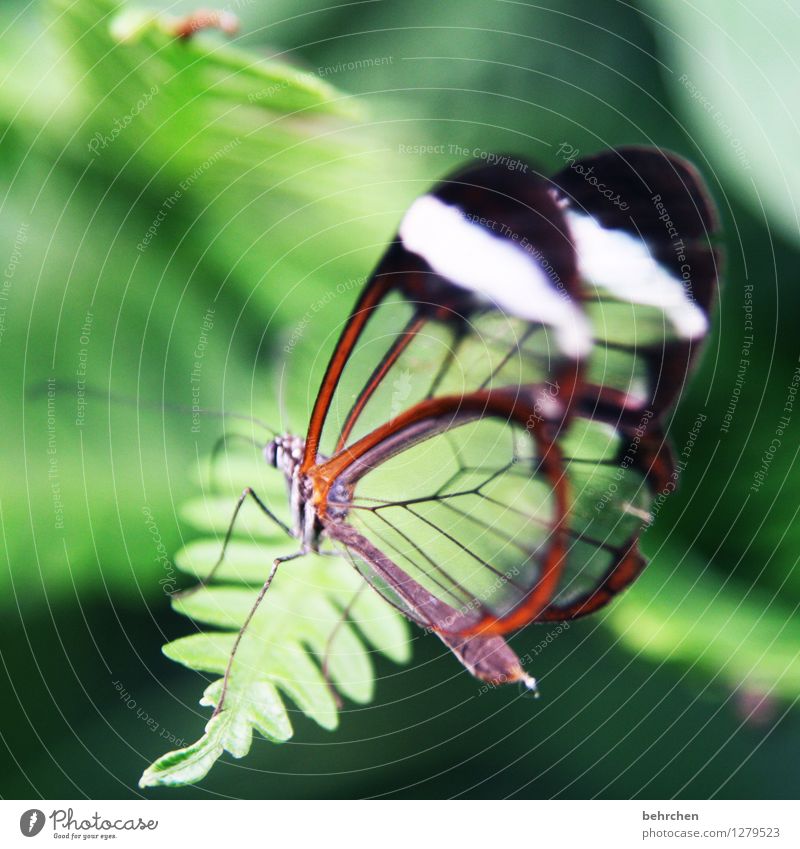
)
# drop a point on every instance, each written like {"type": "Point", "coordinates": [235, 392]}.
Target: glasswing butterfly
{"type": "Point", "coordinates": [488, 435]}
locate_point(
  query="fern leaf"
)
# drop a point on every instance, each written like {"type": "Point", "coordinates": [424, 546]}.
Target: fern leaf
{"type": "Point", "coordinates": [299, 622]}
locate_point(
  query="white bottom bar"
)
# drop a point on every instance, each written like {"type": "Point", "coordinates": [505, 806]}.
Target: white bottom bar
{"type": "Point", "coordinates": [390, 824]}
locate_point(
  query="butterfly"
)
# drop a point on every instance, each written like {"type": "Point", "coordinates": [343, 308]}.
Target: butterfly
{"type": "Point", "coordinates": [488, 436]}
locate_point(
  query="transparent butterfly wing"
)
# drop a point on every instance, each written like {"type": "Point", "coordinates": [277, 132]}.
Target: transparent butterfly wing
{"type": "Point", "coordinates": [502, 473]}
{"type": "Point", "coordinates": [508, 314]}
{"type": "Point", "coordinates": [498, 523]}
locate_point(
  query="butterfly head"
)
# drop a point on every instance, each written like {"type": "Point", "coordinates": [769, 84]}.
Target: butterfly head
{"type": "Point", "coordinates": [284, 452]}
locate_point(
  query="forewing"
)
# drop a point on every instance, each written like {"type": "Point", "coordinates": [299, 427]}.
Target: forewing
{"type": "Point", "coordinates": [643, 228]}
{"type": "Point", "coordinates": [479, 289]}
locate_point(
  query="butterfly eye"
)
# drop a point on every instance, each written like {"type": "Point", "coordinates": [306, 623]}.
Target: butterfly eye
{"type": "Point", "coordinates": [271, 452]}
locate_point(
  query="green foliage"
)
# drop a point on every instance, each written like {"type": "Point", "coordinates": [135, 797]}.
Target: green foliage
{"type": "Point", "coordinates": [271, 149]}
{"type": "Point", "coordinates": [682, 611]}
{"type": "Point", "coordinates": [163, 205]}
{"type": "Point", "coordinates": [743, 112]}
{"type": "Point", "coordinates": [300, 615]}
{"type": "Point", "coordinates": [318, 609]}
{"type": "Point", "coordinates": [493, 76]}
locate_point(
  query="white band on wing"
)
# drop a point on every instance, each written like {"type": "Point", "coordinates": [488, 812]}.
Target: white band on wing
{"type": "Point", "coordinates": [621, 264]}
{"type": "Point", "coordinates": [505, 273]}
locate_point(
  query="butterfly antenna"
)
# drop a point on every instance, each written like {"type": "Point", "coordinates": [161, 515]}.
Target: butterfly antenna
{"type": "Point", "coordinates": [221, 444]}
{"type": "Point", "coordinates": [282, 409]}
{"type": "Point", "coordinates": [37, 390]}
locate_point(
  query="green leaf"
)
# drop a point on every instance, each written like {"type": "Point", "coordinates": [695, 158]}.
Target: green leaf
{"type": "Point", "coordinates": [259, 170]}
{"type": "Point", "coordinates": [231, 730]}
{"type": "Point", "coordinates": [734, 77]}
{"type": "Point", "coordinates": [270, 164]}
{"type": "Point", "coordinates": [231, 74]}
{"type": "Point", "coordinates": [317, 607]}
{"type": "Point", "coordinates": [683, 611]}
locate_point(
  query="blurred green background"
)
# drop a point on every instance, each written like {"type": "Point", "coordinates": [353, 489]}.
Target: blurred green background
{"type": "Point", "coordinates": [260, 177]}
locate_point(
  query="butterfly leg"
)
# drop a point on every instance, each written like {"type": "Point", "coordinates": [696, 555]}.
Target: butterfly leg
{"type": "Point", "coordinates": [259, 598]}
{"type": "Point", "coordinates": [248, 492]}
